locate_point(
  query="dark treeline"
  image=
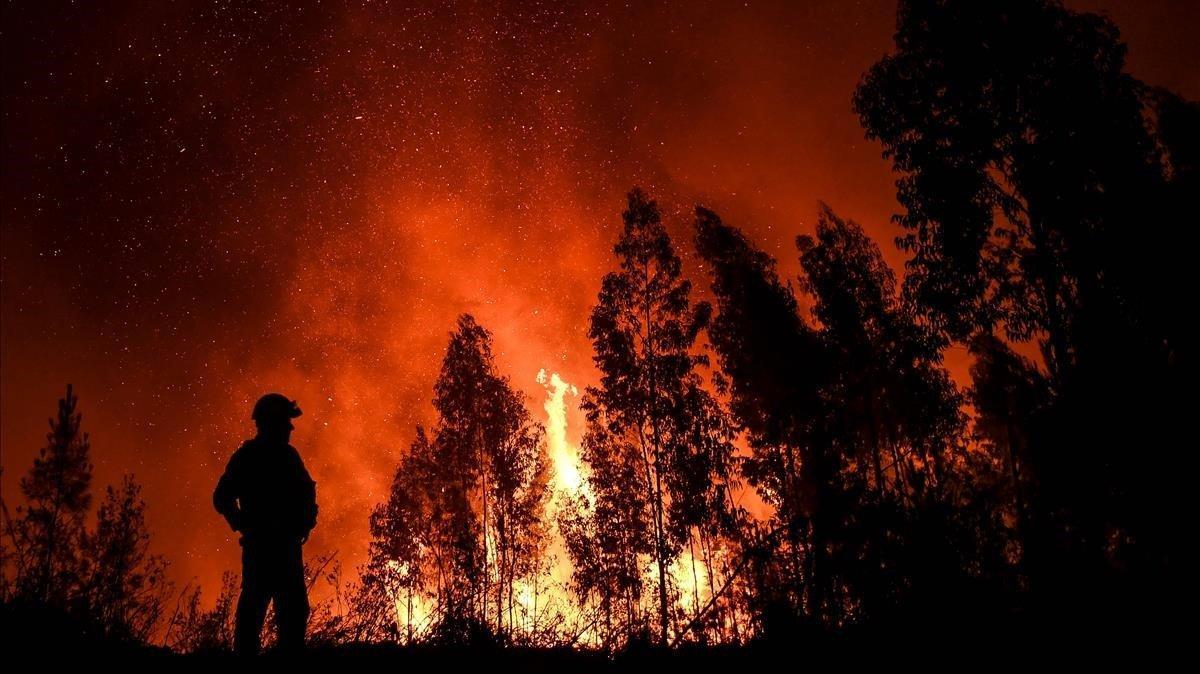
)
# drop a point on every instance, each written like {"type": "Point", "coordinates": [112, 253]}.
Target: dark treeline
{"type": "Point", "coordinates": [1045, 194]}
{"type": "Point", "coordinates": [1045, 197]}
{"type": "Point", "coordinates": [63, 580]}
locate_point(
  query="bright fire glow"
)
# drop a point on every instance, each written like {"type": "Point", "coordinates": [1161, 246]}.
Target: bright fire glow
{"type": "Point", "coordinates": [565, 456]}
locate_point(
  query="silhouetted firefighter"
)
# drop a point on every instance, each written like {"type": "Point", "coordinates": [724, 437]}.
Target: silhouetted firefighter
{"type": "Point", "coordinates": [267, 495]}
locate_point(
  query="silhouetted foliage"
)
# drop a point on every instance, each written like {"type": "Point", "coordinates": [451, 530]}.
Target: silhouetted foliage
{"type": "Point", "coordinates": [1045, 197]}
{"type": "Point", "coordinates": [402, 540]}
{"type": "Point", "coordinates": [775, 364]}
{"type": "Point", "coordinates": [193, 629]}
{"type": "Point", "coordinates": [898, 405]}
{"type": "Point", "coordinates": [64, 582]}
{"type": "Point", "coordinates": [47, 532]}
{"type": "Point", "coordinates": [124, 584]}
{"type": "Point", "coordinates": [463, 523]}
{"type": "Point", "coordinates": [893, 419]}
{"type": "Point", "coordinates": [1022, 150]}
{"type": "Point", "coordinates": [1036, 200]}
{"type": "Point", "coordinates": [640, 417]}
{"type": "Point", "coordinates": [859, 449]}
{"type": "Point", "coordinates": [607, 533]}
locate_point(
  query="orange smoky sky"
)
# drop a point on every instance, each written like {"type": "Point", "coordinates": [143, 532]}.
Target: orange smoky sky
{"type": "Point", "coordinates": [204, 202]}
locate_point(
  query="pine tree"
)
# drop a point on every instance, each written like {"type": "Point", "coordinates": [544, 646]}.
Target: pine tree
{"type": "Point", "coordinates": [49, 528]}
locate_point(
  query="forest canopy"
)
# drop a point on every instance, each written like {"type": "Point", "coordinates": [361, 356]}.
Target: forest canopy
{"type": "Point", "coordinates": [1044, 197]}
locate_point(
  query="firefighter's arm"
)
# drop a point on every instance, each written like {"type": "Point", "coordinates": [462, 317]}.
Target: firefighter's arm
{"type": "Point", "coordinates": [225, 497]}
{"type": "Point", "coordinates": [308, 500]}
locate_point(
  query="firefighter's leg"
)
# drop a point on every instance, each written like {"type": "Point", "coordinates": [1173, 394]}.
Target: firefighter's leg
{"type": "Point", "coordinates": [291, 601]}
{"type": "Point", "coordinates": [252, 604]}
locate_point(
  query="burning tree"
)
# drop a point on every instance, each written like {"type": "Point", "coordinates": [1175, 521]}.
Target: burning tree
{"type": "Point", "coordinates": [402, 553]}
{"type": "Point", "coordinates": [639, 443]}
{"type": "Point", "coordinates": [606, 531]}
{"type": "Point", "coordinates": [463, 524]}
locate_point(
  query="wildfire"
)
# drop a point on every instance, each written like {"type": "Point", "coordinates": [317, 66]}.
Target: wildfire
{"type": "Point", "coordinates": [413, 611]}
{"type": "Point", "coordinates": [567, 478]}
{"type": "Point", "coordinates": [567, 473]}
{"type": "Point", "coordinates": [688, 574]}
{"type": "Point", "coordinates": [543, 604]}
